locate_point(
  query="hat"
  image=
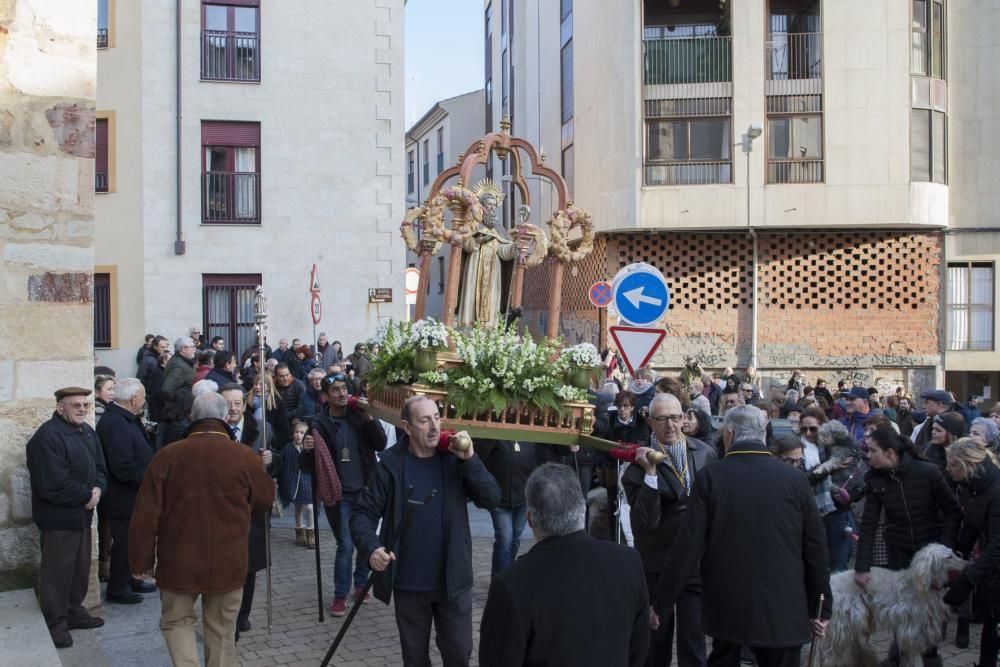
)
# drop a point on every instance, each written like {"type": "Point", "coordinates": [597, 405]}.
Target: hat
{"type": "Point", "coordinates": [939, 395]}
{"type": "Point", "coordinates": [857, 392]}
{"type": "Point", "coordinates": [71, 391]}
{"type": "Point", "coordinates": [952, 422]}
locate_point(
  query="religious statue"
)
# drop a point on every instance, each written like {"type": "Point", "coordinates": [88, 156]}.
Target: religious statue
{"type": "Point", "coordinates": [486, 249]}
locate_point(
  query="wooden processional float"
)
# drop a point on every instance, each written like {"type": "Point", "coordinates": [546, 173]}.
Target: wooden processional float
{"type": "Point", "coordinates": [426, 230]}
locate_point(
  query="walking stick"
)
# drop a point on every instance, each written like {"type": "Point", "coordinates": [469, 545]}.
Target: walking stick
{"type": "Point", "coordinates": [260, 319]}
{"type": "Point", "coordinates": [408, 509]}
{"type": "Point", "coordinates": [812, 644]}
{"type": "Point", "coordinates": [319, 576]}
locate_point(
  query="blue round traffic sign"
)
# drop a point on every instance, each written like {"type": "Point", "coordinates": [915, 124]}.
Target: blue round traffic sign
{"type": "Point", "coordinates": [641, 295]}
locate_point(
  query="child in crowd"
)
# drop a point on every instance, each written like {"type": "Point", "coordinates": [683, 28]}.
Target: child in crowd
{"type": "Point", "coordinates": [296, 487]}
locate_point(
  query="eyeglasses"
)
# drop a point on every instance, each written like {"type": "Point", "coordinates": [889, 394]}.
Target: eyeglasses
{"type": "Point", "coordinates": [792, 460]}
{"type": "Point", "coordinates": [663, 419]}
{"type": "Point", "coordinates": [810, 429]}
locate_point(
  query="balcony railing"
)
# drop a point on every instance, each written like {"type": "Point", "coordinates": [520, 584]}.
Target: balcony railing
{"type": "Point", "coordinates": [102, 38]}
{"type": "Point", "coordinates": [230, 198]}
{"type": "Point", "coordinates": [230, 56]}
{"type": "Point", "coordinates": [795, 171]}
{"type": "Point", "coordinates": [101, 181]}
{"type": "Point", "coordinates": [793, 56]}
{"type": "Point", "coordinates": [689, 173]}
{"type": "Point", "coordinates": [688, 60]}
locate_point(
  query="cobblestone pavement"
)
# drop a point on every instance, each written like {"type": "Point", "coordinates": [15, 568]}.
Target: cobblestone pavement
{"type": "Point", "coordinates": [131, 636]}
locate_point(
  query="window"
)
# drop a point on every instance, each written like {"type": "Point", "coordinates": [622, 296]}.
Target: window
{"type": "Point", "coordinates": [928, 38]}
{"type": "Point", "coordinates": [231, 172]}
{"type": "Point", "coordinates": [104, 9]}
{"type": "Point", "coordinates": [102, 310]}
{"type": "Point", "coordinates": [928, 146]}
{"type": "Point", "coordinates": [795, 149]}
{"type": "Point", "coordinates": [566, 77]}
{"type": "Point", "coordinates": [228, 303]}
{"type": "Point", "coordinates": [440, 153]}
{"type": "Point", "coordinates": [409, 172]}
{"type": "Point", "coordinates": [427, 161]}
{"type": "Point", "coordinates": [970, 306]}
{"type": "Point", "coordinates": [102, 171]}
{"type": "Point", "coordinates": [688, 151]}
{"type": "Point", "coordinates": [230, 41]}
{"type": "Point", "coordinates": [567, 167]}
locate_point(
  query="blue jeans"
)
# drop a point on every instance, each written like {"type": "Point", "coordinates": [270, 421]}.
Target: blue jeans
{"type": "Point", "coordinates": [838, 540]}
{"type": "Point", "coordinates": [508, 524]}
{"type": "Point", "coordinates": [340, 521]}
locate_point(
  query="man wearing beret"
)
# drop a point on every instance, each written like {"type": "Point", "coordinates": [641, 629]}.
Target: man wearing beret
{"type": "Point", "coordinates": [68, 476]}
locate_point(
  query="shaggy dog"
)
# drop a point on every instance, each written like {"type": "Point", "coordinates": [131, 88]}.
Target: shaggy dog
{"type": "Point", "coordinates": [905, 602]}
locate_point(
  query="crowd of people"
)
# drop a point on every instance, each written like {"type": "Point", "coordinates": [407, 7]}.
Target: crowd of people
{"type": "Point", "coordinates": [759, 494]}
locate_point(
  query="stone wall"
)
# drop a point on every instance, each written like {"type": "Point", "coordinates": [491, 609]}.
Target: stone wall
{"type": "Point", "coordinates": [47, 90]}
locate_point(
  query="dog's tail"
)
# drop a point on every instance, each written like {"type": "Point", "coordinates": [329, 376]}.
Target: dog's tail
{"type": "Point", "coordinates": [847, 637]}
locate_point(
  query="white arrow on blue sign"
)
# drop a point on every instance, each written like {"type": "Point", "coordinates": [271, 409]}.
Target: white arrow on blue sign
{"type": "Point", "coordinates": [640, 293]}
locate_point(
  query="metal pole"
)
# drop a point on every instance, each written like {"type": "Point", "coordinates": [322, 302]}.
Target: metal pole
{"type": "Point", "coordinates": [753, 295]}
{"type": "Point", "coordinates": [316, 531]}
{"type": "Point", "coordinates": [260, 317]}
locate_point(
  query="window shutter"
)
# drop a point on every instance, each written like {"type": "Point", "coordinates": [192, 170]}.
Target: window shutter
{"type": "Point", "coordinates": [102, 310]}
{"type": "Point", "coordinates": [920, 145]}
{"type": "Point", "coordinates": [939, 152]}
{"type": "Point", "coordinates": [101, 152]}
{"type": "Point", "coordinates": [229, 133]}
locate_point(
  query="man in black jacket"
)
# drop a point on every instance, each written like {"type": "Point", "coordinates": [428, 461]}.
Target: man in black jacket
{"type": "Point", "coordinates": [67, 480]}
{"type": "Point", "coordinates": [432, 577]}
{"type": "Point", "coordinates": [350, 438]}
{"type": "Point", "coordinates": [126, 454]}
{"type": "Point", "coordinates": [223, 369]}
{"type": "Point", "coordinates": [754, 524]}
{"type": "Point", "coordinates": [291, 390]}
{"type": "Point", "coordinates": [537, 608]}
{"type": "Point", "coordinates": [658, 496]}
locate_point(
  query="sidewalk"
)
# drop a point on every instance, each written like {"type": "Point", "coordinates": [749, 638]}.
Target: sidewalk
{"type": "Point", "coordinates": [131, 634]}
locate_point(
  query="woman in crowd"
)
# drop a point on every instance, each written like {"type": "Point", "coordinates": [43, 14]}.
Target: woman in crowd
{"type": "Point", "coordinates": [828, 459]}
{"type": "Point", "coordinates": [946, 428]}
{"type": "Point", "coordinates": [919, 507]}
{"type": "Point", "coordinates": [697, 424]}
{"type": "Point", "coordinates": [972, 465]}
{"type": "Point", "coordinates": [986, 432]}
{"type": "Point", "coordinates": [265, 394]}
{"type": "Point", "coordinates": [788, 449]}
{"type": "Point", "coordinates": [104, 393]}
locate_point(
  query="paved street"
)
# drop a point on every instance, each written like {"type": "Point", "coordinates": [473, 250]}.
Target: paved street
{"type": "Point", "coordinates": [131, 636]}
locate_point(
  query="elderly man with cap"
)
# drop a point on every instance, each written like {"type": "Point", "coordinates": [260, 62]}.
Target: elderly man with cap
{"type": "Point", "coordinates": [68, 477]}
{"type": "Point", "coordinates": [858, 410]}
{"type": "Point", "coordinates": [936, 402]}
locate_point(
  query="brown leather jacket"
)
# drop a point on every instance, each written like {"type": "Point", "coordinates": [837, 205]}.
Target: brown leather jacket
{"type": "Point", "coordinates": [192, 513]}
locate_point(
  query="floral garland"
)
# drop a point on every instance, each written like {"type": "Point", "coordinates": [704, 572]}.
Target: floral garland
{"type": "Point", "coordinates": [408, 230]}
{"type": "Point", "coordinates": [562, 223]}
{"type": "Point", "coordinates": [434, 218]}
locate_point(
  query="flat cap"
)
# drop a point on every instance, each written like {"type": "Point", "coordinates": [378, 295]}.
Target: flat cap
{"type": "Point", "coordinates": [857, 392]}
{"type": "Point", "coordinates": [71, 391]}
{"type": "Point", "coordinates": [939, 395]}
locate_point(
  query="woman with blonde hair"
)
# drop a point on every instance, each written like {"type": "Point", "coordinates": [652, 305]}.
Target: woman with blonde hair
{"type": "Point", "coordinates": [267, 400]}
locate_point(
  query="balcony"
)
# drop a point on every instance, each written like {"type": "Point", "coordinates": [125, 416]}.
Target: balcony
{"type": "Point", "coordinates": [101, 181]}
{"type": "Point", "coordinates": [230, 198]}
{"type": "Point", "coordinates": [102, 38]}
{"type": "Point", "coordinates": [684, 60]}
{"type": "Point", "coordinates": [795, 171]}
{"type": "Point", "coordinates": [794, 63]}
{"type": "Point", "coordinates": [688, 173]}
{"type": "Point", "coordinates": [230, 56]}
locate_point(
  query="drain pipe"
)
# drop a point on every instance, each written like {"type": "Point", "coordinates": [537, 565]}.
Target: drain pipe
{"type": "Point", "coordinates": [179, 245]}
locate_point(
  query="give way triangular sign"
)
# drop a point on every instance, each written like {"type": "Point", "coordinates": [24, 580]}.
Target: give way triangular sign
{"type": "Point", "coordinates": [636, 344]}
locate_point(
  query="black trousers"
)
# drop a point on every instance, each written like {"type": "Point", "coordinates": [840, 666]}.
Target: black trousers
{"type": "Point", "coordinates": [246, 604]}
{"type": "Point", "coordinates": [989, 644]}
{"type": "Point", "coordinates": [727, 654]}
{"type": "Point", "coordinates": [452, 622]}
{"type": "Point", "coordinates": [686, 616]}
{"type": "Point", "coordinates": [120, 577]}
{"type": "Point", "coordinates": [64, 575]}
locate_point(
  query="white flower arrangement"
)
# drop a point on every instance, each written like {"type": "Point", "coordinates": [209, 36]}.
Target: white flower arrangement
{"type": "Point", "coordinates": [434, 378]}
{"type": "Point", "coordinates": [428, 333]}
{"type": "Point", "coordinates": [583, 355]}
{"type": "Point", "coordinates": [568, 393]}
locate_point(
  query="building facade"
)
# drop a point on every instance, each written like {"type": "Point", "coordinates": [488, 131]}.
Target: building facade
{"type": "Point", "coordinates": [432, 144]}
{"type": "Point", "coordinates": [228, 157]}
{"type": "Point", "coordinates": [819, 147]}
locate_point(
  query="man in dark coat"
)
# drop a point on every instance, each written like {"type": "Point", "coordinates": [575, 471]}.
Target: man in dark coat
{"type": "Point", "coordinates": [179, 373]}
{"type": "Point", "coordinates": [126, 453]}
{"type": "Point", "coordinates": [360, 361]}
{"type": "Point", "coordinates": [537, 610]}
{"type": "Point", "coordinates": [223, 369]}
{"type": "Point", "coordinates": [68, 477]}
{"type": "Point", "coordinates": [753, 522]}
{"type": "Point", "coordinates": [291, 390]}
{"type": "Point", "coordinates": [658, 496]}
{"type": "Point", "coordinates": [510, 463]}
{"type": "Point", "coordinates": [432, 576]}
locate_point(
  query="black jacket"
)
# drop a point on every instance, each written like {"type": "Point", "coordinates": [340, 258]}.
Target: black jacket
{"type": "Point", "coordinates": [65, 463]}
{"type": "Point", "coordinates": [981, 502]}
{"type": "Point", "coordinates": [126, 455]}
{"type": "Point", "coordinates": [371, 437]}
{"type": "Point", "coordinates": [919, 507]}
{"type": "Point", "coordinates": [220, 377]}
{"type": "Point", "coordinates": [538, 614]}
{"type": "Point", "coordinates": [753, 522]}
{"type": "Point", "coordinates": [656, 513]}
{"type": "Point", "coordinates": [510, 464]}
{"type": "Point", "coordinates": [384, 498]}
{"type": "Point", "coordinates": [904, 420]}
{"type": "Point", "coordinates": [257, 543]}
{"type": "Point", "coordinates": [292, 398]}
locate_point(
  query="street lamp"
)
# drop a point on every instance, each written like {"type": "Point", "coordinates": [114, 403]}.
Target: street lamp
{"type": "Point", "coordinates": [754, 131]}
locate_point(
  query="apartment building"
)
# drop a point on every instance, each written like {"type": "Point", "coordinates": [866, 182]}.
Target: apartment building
{"type": "Point", "coordinates": [239, 144]}
{"type": "Point", "coordinates": [798, 169]}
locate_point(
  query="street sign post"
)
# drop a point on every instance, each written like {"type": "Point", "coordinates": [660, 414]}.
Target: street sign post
{"type": "Point", "coordinates": [314, 280]}
{"type": "Point", "coordinates": [411, 283]}
{"type": "Point", "coordinates": [317, 308]}
{"type": "Point", "coordinates": [636, 344]}
{"type": "Point", "coordinates": [600, 294]}
{"type": "Point", "coordinates": [640, 294]}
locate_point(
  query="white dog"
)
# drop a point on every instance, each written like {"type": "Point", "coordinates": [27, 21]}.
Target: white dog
{"type": "Point", "coordinates": [906, 603]}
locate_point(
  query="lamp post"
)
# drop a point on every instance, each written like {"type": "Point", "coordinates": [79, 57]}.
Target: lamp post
{"type": "Point", "coordinates": [746, 144]}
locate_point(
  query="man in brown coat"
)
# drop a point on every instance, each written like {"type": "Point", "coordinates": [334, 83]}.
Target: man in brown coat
{"type": "Point", "coordinates": [199, 550]}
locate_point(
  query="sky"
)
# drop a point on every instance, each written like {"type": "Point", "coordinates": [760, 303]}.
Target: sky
{"type": "Point", "coordinates": [443, 52]}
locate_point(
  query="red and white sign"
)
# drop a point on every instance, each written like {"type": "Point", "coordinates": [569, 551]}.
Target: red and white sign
{"type": "Point", "coordinates": [600, 294]}
{"type": "Point", "coordinates": [317, 308]}
{"type": "Point", "coordinates": [412, 280]}
{"type": "Point", "coordinates": [636, 344]}
{"type": "Point", "coordinates": [314, 281]}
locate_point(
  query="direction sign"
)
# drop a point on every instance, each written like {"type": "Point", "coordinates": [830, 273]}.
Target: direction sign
{"type": "Point", "coordinates": [600, 294]}
{"type": "Point", "coordinates": [317, 308]}
{"type": "Point", "coordinates": [640, 294]}
{"type": "Point", "coordinates": [636, 344]}
{"type": "Point", "coordinates": [314, 280]}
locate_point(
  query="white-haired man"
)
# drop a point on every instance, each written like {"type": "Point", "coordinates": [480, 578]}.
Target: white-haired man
{"type": "Point", "coordinates": [179, 373]}
{"type": "Point", "coordinates": [537, 607]}
{"type": "Point", "coordinates": [754, 525]}
{"type": "Point", "coordinates": [127, 453]}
